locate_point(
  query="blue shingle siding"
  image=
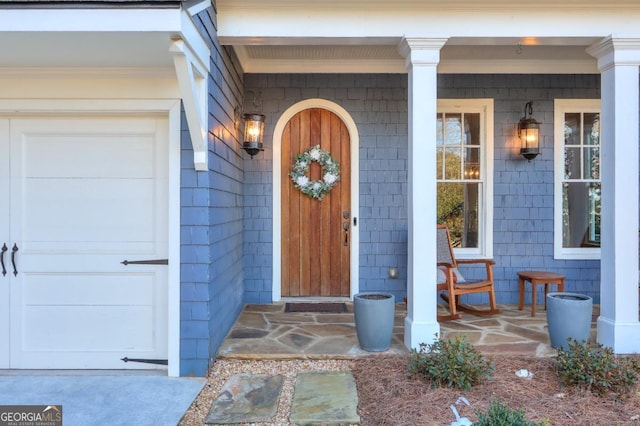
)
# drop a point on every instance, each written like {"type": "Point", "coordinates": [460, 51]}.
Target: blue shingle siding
{"type": "Point", "coordinates": [523, 192]}
{"type": "Point", "coordinates": [211, 276]}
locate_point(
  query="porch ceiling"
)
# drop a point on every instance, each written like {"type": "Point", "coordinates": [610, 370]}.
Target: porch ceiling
{"type": "Point", "coordinates": [494, 36]}
{"type": "Point", "coordinates": [380, 55]}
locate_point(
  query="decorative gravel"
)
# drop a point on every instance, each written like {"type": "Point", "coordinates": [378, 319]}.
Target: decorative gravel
{"type": "Point", "coordinates": [222, 370]}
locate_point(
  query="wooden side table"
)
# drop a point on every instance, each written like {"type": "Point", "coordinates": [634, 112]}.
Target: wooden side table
{"type": "Point", "coordinates": [535, 278]}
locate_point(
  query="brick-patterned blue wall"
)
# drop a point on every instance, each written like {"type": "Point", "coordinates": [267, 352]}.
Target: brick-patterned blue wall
{"type": "Point", "coordinates": [211, 276]}
{"type": "Point", "coordinates": [523, 192]}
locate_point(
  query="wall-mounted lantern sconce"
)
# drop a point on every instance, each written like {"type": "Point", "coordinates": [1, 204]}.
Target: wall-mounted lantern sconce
{"type": "Point", "coordinates": [253, 132]}
{"type": "Point", "coordinates": [529, 133]}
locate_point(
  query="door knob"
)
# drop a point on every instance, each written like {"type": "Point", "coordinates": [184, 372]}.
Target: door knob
{"type": "Point", "coordinates": [345, 226]}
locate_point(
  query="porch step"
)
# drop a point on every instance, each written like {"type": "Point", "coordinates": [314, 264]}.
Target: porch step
{"type": "Point", "coordinates": [319, 398]}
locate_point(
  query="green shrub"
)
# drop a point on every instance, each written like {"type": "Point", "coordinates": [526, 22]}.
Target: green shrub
{"type": "Point", "coordinates": [451, 362]}
{"type": "Point", "coordinates": [501, 415]}
{"type": "Point", "coordinates": [597, 369]}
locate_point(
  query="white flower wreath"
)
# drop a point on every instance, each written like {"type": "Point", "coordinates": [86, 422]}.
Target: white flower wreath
{"type": "Point", "coordinates": [330, 172]}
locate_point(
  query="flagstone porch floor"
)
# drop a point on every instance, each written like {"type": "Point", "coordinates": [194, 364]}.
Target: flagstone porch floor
{"type": "Point", "coordinates": [267, 332]}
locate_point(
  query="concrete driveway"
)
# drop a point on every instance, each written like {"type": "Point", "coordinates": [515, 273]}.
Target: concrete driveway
{"type": "Point", "coordinates": [101, 398]}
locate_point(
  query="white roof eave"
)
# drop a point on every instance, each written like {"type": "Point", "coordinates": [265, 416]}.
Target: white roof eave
{"type": "Point", "coordinates": [121, 39]}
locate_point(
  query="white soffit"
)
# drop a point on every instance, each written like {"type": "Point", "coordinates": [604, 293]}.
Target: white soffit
{"type": "Point", "coordinates": [83, 49]}
{"type": "Point", "coordinates": [455, 58]}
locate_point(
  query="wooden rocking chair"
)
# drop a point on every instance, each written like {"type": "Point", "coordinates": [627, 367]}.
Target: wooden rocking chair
{"type": "Point", "coordinates": [454, 286]}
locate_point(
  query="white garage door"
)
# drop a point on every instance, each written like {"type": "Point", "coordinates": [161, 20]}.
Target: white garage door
{"type": "Point", "coordinates": [79, 196]}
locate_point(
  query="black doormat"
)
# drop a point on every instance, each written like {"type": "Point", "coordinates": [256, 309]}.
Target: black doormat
{"type": "Point", "coordinates": [333, 308]}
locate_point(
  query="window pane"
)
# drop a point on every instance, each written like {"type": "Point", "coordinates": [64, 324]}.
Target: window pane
{"type": "Point", "coordinates": [572, 129]}
{"type": "Point", "coordinates": [472, 129]}
{"type": "Point", "coordinates": [581, 214]}
{"type": "Point", "coordinates": [472, 163]}
{"type": "Point", "coordinates": [439, 130]}
{"type": "Point", "coordinates": [572, 163]}
{"type": "Point", "coordinates": [452, 163]}
{"type": "Point", "coordinates": [453, 129]}
{"type": "Point", "coordinates": [439, 163]}
{"type": "Point", "coordinates": [592, 129]}
{"type": "Point", "coordinates": [592, 163]}
{"type": "Point", "coordinates": [458, 207]}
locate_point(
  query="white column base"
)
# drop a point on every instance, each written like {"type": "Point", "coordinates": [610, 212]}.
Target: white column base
{"type": "Point", "coordinates": [416, 332]}
{"type": "Point", "coordinates": [621, 337]}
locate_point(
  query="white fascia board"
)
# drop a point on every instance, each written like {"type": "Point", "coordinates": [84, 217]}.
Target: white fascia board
{"type": "Point", "coordinates": [90, 20]}
{"type": "Point", "coordinates": [197, 45]}
{"type": "Point", "coordinates": [255, 24]}
{"type": "Point", "coordinates": [195, 7]}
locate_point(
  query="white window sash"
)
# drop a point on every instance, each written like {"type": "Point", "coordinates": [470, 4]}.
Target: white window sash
{"type": "Point", "coordinates": [561, 107]}
{"type": "Point", "coordinates": [484, 107]}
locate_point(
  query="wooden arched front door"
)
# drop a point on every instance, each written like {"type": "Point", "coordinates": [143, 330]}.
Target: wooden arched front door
{"type": "Point", "coordinates": [316, 233]}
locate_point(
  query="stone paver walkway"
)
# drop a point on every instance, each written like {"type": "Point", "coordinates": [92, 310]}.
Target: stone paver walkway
{"type": "Point", "coordinates": [325, 398]}
{"type": "Point", "coordinates": [320, 397]}
{"type": "Point", "coordinates": [246, 398]}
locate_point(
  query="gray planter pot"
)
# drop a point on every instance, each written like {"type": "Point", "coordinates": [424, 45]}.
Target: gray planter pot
{"type": "Point", "coordinates": [374, 314]}
{"type": "Point", "coordinates": [568, 316]}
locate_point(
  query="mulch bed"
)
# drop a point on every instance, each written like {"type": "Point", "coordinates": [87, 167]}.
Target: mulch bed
{"type": "Point", "coordinates": [389, 396]}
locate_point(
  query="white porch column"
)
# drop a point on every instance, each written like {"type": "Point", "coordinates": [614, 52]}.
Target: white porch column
{"type": "Point", "coordinates": [422, 57]}
{"type": "Point", "coordinates": [618, 61]}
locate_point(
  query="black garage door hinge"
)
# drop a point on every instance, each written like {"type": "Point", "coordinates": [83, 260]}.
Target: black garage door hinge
{"type": "Point", "coordinates": [146, 361]}
{"type": "Point", "coordinates": [146, 262]}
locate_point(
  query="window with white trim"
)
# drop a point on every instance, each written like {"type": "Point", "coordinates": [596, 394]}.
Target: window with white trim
{"type": "Point", "coordinates": [464, 173]}
{"type": "Point", "coordinates": [577, 179]}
